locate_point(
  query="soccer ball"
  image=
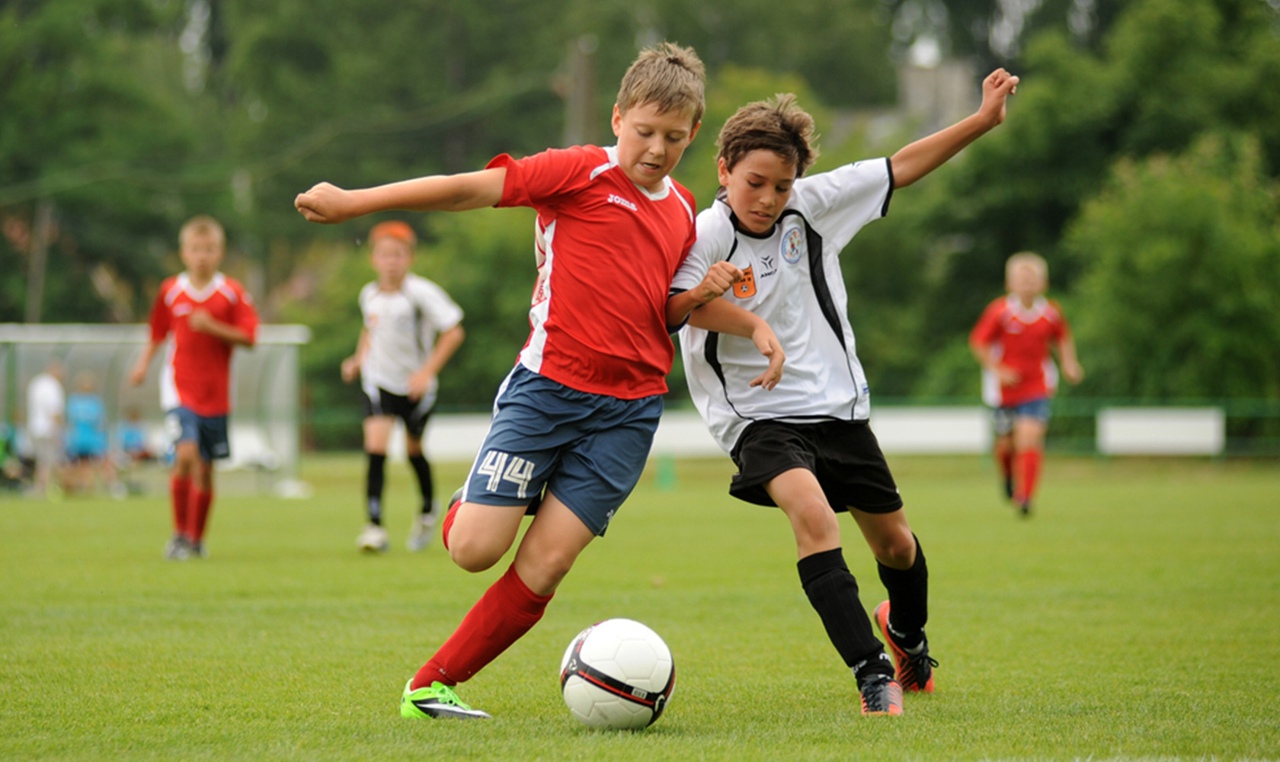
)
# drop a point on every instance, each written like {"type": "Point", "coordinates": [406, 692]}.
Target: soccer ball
{"type": "Point", "coordinates": [617, 674]}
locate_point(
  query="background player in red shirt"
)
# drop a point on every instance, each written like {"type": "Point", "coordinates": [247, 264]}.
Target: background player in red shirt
{"type": "Point", "coordinates": [574, 420]}
{"type": "Point", "coordinates": [1012, 341]}
{"type": "Point", "coordinates": [208, 315]}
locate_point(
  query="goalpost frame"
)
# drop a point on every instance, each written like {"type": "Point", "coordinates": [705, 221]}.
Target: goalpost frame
{"type": "Point", "coordinates": [266, 405]}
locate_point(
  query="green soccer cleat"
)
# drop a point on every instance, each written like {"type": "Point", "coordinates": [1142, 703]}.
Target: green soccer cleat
{"type": "Point", "coordinates": [436, 701]}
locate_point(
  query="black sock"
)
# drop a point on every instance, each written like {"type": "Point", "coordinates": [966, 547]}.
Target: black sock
{"type": "Point", "coordinates": [908, 599]}
{"type": "Point", "coordinates": [423, 469]}
{"type": "Point", "coordinates": [373, 487]}
{"type": "Point", "coordinates": [833, 592]}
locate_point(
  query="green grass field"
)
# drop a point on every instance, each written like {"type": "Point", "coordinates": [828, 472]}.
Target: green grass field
{"type": "Point", "coordinates": [1135, 616]}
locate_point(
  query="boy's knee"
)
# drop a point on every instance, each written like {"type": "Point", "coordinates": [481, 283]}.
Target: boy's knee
{"type": "Point", "coordinates": [472, 555]}
{"type": "Point", "coordinates": [897, 550]}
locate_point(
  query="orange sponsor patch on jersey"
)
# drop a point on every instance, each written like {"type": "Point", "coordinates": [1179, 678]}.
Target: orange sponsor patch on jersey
{"type": "Point", "coordinates": [746, 286]}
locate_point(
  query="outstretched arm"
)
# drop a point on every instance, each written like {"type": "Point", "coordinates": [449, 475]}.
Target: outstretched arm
{"type": "Point", "coordinates": [327, 203]}
{"type": "Point", "coordinates": [918, 159]}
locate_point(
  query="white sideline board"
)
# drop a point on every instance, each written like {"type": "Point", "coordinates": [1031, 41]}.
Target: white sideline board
{"type": "Point", "coordinates": [932, 430]}
{"type": "Point", "coordinates": [1161, 431]}
{"type": "Point", "coordinates": [959, 429]}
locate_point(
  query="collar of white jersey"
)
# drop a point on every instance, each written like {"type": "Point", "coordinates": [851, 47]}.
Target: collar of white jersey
{"type": "Point", "coordinates": [612, 153]}
{"type": "Point", "coordinates": [723, 198]}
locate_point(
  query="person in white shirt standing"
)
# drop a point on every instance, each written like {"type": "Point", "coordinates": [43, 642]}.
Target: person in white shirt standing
{"type": "Point", "coordinates": [46, 405]}
{"type": "Point", "coordinates": [805, 445]}
{"type": "Point", "coordinates": [411, 330]}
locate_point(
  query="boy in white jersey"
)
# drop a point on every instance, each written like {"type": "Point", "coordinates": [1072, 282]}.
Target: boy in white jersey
{"type": "Point", "coordinates": [805, 446]}
{"type": "Point", "coordinates": [411, 329]}
{"type": "Point", "coordinates": [574, 421]}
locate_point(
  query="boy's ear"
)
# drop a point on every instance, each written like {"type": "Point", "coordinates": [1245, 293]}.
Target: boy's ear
{"type": "Point", "coordinates": [694, 132]}
{"type": "Point", "coordinates": [722, 171]}
{"type": "Point", "coordinates": [616, 121]}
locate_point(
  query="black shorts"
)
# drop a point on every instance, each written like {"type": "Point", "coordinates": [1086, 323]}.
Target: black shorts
{"type": "Point", "coordinates": [843, 455]}
{"type": "Point", "coordinates": [414, 414]}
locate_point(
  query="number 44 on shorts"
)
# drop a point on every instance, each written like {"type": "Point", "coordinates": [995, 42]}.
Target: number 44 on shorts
{"type": "Point", "coordinates": [505, 467]}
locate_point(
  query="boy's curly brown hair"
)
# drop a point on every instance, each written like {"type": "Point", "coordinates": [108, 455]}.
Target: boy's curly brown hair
{"type": "Point", "coordinates": [777, 124]}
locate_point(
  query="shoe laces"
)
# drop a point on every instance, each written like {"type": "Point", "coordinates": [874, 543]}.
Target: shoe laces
{"type": "Point", "coordinates": [877, 694]}
{"type": "Point", "coordinates": [445, 695]}
{"type": "Point", "coordinates": [919, 665]}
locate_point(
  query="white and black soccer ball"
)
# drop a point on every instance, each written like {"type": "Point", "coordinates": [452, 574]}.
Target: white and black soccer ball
{"type": "Point", "coordinates": [617, 674]}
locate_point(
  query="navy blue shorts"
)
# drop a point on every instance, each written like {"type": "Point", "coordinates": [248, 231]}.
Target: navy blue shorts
{"type": "Point", "coordinates": [586, 449]}
{"type": "Point", "coordinates": [1003, 417]}
{"type": "Point", "coordinates": [209, 432]}
{"type": "Point", "coordinates": [844, 456]}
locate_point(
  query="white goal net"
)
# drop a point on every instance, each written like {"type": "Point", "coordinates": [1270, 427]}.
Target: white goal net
{"type": "Point", "coordinates": [266, 409]}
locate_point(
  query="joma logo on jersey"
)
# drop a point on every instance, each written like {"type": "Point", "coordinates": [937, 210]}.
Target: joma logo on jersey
{"type": "Point", "coordinates": [620, 201]}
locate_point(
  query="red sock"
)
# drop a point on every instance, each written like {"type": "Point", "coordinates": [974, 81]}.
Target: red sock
{"type": "Point", "coordinates": [179, 500]}
{"type": "Point", "coordinates": [506, 611]}
{"type": "Point", "coordinates": [1004, 457]}
{"type": "Point", "coordinates": [447, 524]}
{"type": "Point", "coordinates": [198, 513]}
{"type": "Point", "coordinates": [1028, 474]}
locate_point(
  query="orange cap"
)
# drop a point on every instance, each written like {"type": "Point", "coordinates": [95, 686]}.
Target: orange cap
{"type": "Point", "coordinates": [393, 229]}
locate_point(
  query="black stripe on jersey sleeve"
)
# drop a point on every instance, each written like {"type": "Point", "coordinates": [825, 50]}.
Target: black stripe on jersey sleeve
{"type": "Point", "coordinates": [888, 167]}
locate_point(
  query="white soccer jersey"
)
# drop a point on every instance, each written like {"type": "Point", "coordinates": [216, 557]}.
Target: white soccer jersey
{"type": "Point", "coordinates": [402, 327]}
{"type": "Point", "coordinates": [792, 279]}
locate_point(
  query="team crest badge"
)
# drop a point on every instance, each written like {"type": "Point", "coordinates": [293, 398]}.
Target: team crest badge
{"type": "Point", "coordinates": [793, 247]}
{"type": "Point", "coordinates": [746, 287]}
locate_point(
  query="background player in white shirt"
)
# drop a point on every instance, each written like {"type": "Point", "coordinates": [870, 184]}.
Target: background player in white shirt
{"type": "Point", "coordinates": [805, 445]}
{"type": "Point", "coordinates": [46, 403]}
{"type": "Point", "coordinates": [411, 330]}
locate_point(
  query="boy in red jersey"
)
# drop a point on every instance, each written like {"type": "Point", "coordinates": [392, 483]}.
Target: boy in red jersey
{"type": "Point", "coordinates": [1012, 340]}
{"type": "Point", "coordinates": [573, 422]}
{"type": "Point", "coordinates": [209, 315]}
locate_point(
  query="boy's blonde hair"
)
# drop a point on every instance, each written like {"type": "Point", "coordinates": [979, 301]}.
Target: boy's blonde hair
{"type": "Point", "coordinates": [778, 125]}
{"type": "Point", "coordinates": [669, 76]}
{"type": "Point", "coordinates": [202, 224]}
{"type": "Point", "coordinates": [1027, 258]}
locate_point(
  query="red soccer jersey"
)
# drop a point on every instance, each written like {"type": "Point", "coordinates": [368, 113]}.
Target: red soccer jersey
{"type": "Point", "coordinates": [607, 251]}
{"type": "Point", "coordinates": [1022, 338]}
{"type": "Point", "coordinates": [197, 367]}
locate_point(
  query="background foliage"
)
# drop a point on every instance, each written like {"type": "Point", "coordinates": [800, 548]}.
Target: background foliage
{"type": "Point", "coordinates": [1140, 156]}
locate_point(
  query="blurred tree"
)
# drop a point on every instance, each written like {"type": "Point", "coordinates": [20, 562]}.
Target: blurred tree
{"type": "Point", "coordinates": [92, 121]}
{"type": "Point", "coordinates": [1181, 292]}
{"type": "Point", "coordinates": [1169, 72]}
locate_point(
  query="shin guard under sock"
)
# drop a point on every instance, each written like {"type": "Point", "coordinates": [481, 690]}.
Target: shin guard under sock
{"type": "Point", "coordinates": [1028, 465]}
{"type": "Point", "coordinates": [908, 599]}
{"type": "Point", "coordinates": [422, 469]}
{"type": "Point", "coordinates": [833, 593]}
{"type": "Point", "coordinates": [374, 480]}
{"type": "Point", "coordinates": [198, 513]}
{"type": "Point", "coordinates": [506, 611]}
{"type": "Point", "coordinates": [179, 500]}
